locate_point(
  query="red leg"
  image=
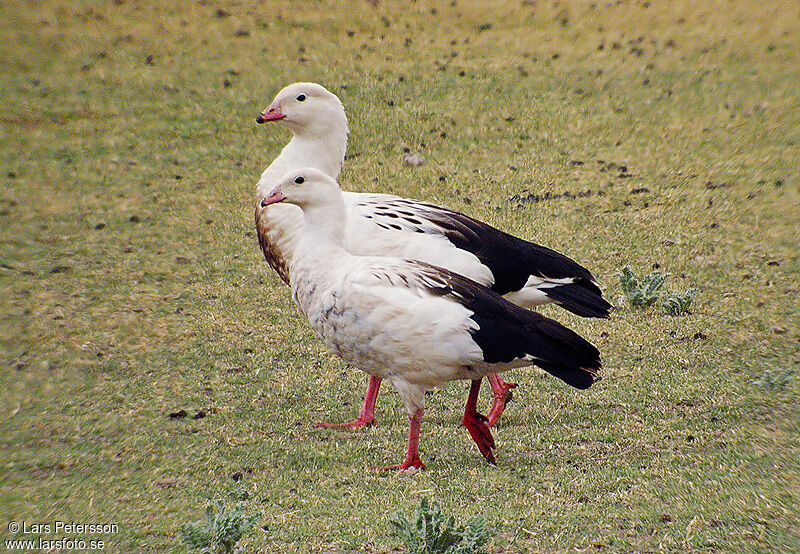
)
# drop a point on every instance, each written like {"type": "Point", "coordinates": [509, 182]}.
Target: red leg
{"type": "Point", "coordinates": [367, 415]}
{"type": "Point", "coordinates": [476, 423]}
{"type": "Point", "coordinates": [412, 453]}
{"type": "Point", "coordinates": [502, 394]}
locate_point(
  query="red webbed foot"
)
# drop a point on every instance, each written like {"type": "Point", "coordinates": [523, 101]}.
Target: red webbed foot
{"type": "Point", "coordinates": [414, 463]}
{"type": "Point", "coordinates": [367, 415]}
{"type": "Point", "coordinates": [357, 423]}
{"type": "Point", "coordinates": [478, 429]}
{"type": "Point", "coordinates": [502, 394]}
{"type": "Point", "coordinates": [412, 460]}
{"type": "Point", "coordinates": [476, 423]}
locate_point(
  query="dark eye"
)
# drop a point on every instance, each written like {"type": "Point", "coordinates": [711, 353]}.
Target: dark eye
{"type": "Point", "coordinates": [301, 97]}
{"type": "Point", "coordinates": [300, 180]}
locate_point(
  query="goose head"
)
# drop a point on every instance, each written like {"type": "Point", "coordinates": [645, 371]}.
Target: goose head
{"type": "Point", "coordinates": [307, 109]}
{"type": "Point", "coordinates": [307, 188]}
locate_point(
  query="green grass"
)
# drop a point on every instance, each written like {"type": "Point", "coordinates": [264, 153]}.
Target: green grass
{"type": "Point", "coordinates": [133, 287]}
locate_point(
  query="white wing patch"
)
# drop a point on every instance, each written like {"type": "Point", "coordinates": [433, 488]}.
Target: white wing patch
{"type": "Point", "coordinates": [411, 276]}
{"type": "Point", "coordinates": [385, 225]}
{"type": "Point", "coordinates": [399, 214]}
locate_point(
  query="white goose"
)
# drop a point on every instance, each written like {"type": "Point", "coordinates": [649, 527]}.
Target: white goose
{"type": "Point", "coordinates": [379, 224]}
{"type": "Point", "coordinates": [415, 324]}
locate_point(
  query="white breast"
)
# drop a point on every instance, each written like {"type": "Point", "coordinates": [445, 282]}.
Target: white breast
{"type": "Point", "coordinates": [389, 332]}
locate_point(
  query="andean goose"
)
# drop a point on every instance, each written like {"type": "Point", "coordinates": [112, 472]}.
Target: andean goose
{"type": "Point", "coordinates": [381, 224]}
{"type": "Point", "coordinates": [415, 324]}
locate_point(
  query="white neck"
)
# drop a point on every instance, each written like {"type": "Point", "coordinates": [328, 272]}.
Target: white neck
{"type": "Point", "coordinates": [322, 236]}
{"type": "Point", "coordinates": [325, 223]}
{"type": "Point", "coordinates": [321, 150]}
{"type": "Point", "coordinates": [324, 152]}
{"type": "Point", "coordinates": [322, 147]}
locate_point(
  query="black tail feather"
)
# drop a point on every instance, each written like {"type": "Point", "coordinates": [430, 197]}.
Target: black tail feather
{"type": "Point", "coordinates": [582, 298]}
{"type": "Point", "coordinates": [567, 355]}
{"type": "Point", "coordinates": [578, 378]}
{"type": "Point", "coordinates": [548, 344]}
{"type": "Point", "coordinates": [507, 334]}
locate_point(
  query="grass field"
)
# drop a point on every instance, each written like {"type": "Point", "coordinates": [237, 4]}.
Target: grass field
{"type": "Point", "coordinates": [133, 287]}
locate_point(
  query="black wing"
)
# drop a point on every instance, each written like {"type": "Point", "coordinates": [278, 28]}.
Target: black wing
{"type": "Point", "coordinates": [512, 261]}
{"type": "Point", "coordinates": [507, 332]}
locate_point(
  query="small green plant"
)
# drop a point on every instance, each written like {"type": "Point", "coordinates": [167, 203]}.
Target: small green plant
{"type": "Point", "coordinates": [644, 293]}
{"type": "Point", "coordinates": [432, 532]}
{"type": "Point", "coordinates": [220, 530]}
{"type": "Point", "coordinates": [775, 379]}
{"type": "Point", "coordinates": [678, 304]}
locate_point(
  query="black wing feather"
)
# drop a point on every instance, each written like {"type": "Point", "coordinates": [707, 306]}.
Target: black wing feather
{"type": "Point", "coordinates": [510, 259]}
{"type": "Point", "coordinates": [507, 332]}
{"type": "Point", "coordinates": [582, 298]}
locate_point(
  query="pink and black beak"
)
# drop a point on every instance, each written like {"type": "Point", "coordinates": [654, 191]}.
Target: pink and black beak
{"type": "Point", "coordinates": [274, 197]}
{"type": "Point", "coordinates": [272, 113]}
